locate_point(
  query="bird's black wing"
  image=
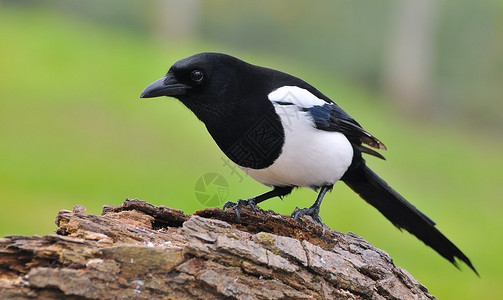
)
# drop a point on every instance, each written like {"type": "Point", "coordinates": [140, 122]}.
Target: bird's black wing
{"type": "Point", "coordinates": [331, 117]}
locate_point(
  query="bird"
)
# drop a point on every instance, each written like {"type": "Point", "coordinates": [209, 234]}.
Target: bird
{"type": "Point", "coordinates": [286, 134]}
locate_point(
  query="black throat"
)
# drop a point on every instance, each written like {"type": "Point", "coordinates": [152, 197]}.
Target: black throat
{"type": "Point", "coordinates": [251, 134]}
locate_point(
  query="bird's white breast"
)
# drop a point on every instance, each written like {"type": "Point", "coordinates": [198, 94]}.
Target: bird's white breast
{"type": "Point", "coordinates": [310, 157]}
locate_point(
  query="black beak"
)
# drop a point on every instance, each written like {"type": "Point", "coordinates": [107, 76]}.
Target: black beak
{"type": "Point", "coordinates": [166, 86]}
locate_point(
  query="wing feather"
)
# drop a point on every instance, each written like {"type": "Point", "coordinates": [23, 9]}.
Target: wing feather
{"type": "Point", "coordinates": [331, 117]}
{"type": "Point", "coordinates": [327, 116]}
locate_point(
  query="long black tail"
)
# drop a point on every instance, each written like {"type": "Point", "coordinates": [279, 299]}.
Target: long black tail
{"type": "Point", "coordinates": [401, 213]}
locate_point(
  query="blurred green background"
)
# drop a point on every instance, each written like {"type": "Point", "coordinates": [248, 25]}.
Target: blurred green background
{"type": "Point", "coordinates": [424, 77]}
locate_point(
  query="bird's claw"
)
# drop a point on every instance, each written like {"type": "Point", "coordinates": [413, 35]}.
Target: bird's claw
{"type": "Point", "coordinates": [240, 203]}
{"type": "Point", "coordinates": [313, 212]}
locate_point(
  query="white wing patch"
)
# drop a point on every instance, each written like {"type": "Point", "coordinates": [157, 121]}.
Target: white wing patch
{"type": "Point", "coordinates": [295, 95]}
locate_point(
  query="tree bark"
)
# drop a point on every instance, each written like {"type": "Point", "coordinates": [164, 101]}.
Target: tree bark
{"type": "Point", "coordinates": [142, 251]}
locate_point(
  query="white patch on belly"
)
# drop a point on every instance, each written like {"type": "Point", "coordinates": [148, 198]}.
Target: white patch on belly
{"type": "Point", "coordinates": [310, 157]}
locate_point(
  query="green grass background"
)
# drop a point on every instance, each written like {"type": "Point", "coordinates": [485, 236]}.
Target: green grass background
{"type": "Point", "coordinates": [74, 131]}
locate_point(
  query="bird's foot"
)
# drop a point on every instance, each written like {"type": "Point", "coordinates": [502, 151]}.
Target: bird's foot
{"type": "Point", "coordinates": [240, 203]}
{"type": "Point", "coordinates": [313, 212]}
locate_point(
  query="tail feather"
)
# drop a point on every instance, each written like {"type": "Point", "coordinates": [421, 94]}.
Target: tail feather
{"type": "Point", "coordinates": [401, 213]}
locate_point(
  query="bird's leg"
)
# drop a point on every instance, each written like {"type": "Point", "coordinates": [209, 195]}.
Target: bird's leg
{"type": "Point", "coordinates": [279, 191]}
{"type": "Point", "coordinates": [314, 210]}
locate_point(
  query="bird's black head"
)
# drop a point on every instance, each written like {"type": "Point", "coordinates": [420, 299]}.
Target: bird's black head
{"type": "Point", "coordinates": [230, 97]}
{"type": "Point", "coordinates": [202, 82]}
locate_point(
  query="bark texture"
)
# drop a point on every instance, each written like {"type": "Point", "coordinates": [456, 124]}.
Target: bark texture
{"type": "Point", "coordinates": [141, 251]}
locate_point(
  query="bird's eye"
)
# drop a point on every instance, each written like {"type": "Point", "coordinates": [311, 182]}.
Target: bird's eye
{"type": "Point", "coordinates": [197, 76]}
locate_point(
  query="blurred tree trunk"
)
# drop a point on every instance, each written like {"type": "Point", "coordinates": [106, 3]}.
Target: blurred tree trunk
{"type": "Point", "coordinates": [408, 69]}
{"type": "Point", "coordinates": [177, 19]}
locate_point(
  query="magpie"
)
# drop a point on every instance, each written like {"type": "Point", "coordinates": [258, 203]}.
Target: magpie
{"type": "Point", "coordinates": [285, 134]}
